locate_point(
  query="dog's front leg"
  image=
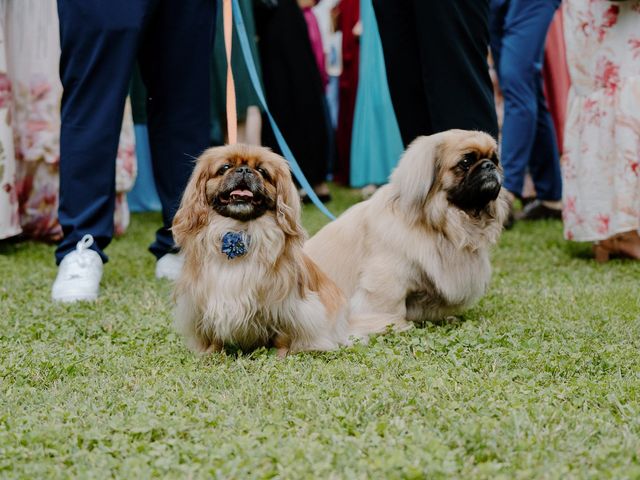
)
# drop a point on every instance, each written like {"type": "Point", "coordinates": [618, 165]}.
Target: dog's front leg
{"type": "Point", "coordinates": [187, 318]}
{"type": "Point", "coordinates": [214, 347]}
{"type": "Point", "coordinates": [379, 301]}
{"type": "Point", "coordinates": [363, 323]}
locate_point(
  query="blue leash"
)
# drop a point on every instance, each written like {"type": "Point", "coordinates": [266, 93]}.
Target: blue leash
{"type": "Point", "coordinates": [253, 74]}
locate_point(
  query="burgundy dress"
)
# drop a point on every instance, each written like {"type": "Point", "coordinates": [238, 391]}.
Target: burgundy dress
{"type": "Point", "coordinates": [349, 16]}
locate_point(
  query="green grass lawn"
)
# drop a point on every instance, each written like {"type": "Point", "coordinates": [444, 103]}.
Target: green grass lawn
{"type": "Point", "coordinates": [539, 380]}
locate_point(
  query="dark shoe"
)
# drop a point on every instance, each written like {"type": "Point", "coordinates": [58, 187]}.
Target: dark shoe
{"type": "Point", "coordinates": [324, 197]}
{"type": "Point", "coordinates": [536, 210]}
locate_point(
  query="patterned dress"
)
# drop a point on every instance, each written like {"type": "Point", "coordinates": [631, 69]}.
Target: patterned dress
{"type": "Point", "coordinates": [30, 93]}
{"type": "Point", "coordinates": [601, 161]}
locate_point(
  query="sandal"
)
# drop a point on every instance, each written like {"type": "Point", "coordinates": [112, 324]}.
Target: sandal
{"type": "Point", "coordinates": [623, 245]}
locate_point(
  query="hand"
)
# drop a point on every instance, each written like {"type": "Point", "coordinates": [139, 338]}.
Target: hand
{"type": "Point", "coordinates": [357, 29]}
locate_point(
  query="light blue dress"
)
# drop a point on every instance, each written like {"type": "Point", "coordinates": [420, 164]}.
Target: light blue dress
{"type": "Point", "coordinates": [376, 144]}
{"type": "Point", "coordinates": [143, 197]}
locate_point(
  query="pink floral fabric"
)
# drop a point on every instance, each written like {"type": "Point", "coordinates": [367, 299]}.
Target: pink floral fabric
{"type": "Point", "coordinates": [9, 220]}
{"type": "Point", "coordinates": [315, 37]}
{"type": "Point", "coordinates": [30, 94]}
{"type": "Point", "coordinates": [601, 160]}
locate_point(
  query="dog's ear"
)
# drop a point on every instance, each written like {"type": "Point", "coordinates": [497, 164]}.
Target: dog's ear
{"type": "Point", "coordinates": [194, 210]}
{"type": "Point", "coordinates": [288, 204]}
{"type": "Point", "coordinates": [417, 172]}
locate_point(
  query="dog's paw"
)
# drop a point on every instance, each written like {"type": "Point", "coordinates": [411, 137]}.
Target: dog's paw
{"type": "Point", "coordinates": [282, 352]}
{"type": "Point", "coordinates": [214, 347]}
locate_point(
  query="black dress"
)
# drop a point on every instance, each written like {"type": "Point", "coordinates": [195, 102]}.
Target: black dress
{"type": "Point", "coordinates": [293, 87]}
{"type": "Point", "coordinates": [435, 54]}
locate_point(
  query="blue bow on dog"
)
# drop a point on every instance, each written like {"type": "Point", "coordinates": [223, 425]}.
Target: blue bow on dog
{"type": "Point", "coordinates": [235, 244]}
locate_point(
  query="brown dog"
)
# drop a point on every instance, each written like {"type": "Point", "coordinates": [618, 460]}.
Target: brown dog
{"type": "Point", "coordinates": [246, 280]}
{"type": "Point", "coordinates": [418, 249]}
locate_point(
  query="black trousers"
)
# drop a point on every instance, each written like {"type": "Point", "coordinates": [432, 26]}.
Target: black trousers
{"type": "Point", "coordinates": [101, 41]}
{"type": "Point", "coordinates": [436, 60]}
{"type": "Point", "coordinates": [293, 88]}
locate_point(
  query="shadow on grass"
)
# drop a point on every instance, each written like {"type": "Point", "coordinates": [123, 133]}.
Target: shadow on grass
{"type": "Point", "coordinates": [11, 245]}
{"type": "Point", "coordinates": [446, 324]}
{"type": "Point", "coordinates": [579, 250]}
{"type": "Point", "coordinates": [443, 328]}
{"type": "Point", "coordinates": [20, 243]}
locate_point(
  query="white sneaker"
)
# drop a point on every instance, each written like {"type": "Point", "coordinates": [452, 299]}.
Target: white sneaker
{"type": "Point", "coordinates": [79, 274]}
{"type": "Point", "coordinates": [169, 266]}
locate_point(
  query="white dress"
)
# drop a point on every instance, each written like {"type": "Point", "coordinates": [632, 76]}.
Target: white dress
{"type": "Point", "coordinates": [601, 160]}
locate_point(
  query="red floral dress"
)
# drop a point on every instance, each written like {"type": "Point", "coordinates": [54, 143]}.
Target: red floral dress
{"type": "Point", "coordinates": [601, 160]}
{"type": "Point", "coordinates": [30, 93]}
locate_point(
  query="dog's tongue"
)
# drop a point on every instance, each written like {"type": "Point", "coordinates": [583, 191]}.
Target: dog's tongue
{"type": "Point", "coordinates": [242, 193]}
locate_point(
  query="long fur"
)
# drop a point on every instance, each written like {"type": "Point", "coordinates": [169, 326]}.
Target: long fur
{"type": "Point", "coordinates": [275, 295]}
{"type": "Point", "coordinates": [407, 255]}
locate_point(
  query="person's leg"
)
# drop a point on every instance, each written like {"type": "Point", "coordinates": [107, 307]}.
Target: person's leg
{"type": "Point", "coordinates": [174, 60]}
{"type": "Point", "coordinates": [526, 27]}
{"type": "Point", "coordinates": [544, 164]}
{"type": "Point", "coordinates": [497, 14]}
{"type": "Point", "coordinates": [453, 38]}
{"type": "Point", "coordinates": [253, 125]}
{"type": "Point", "coordinates": [396, 23]}
{"type": "Point", "coordinates": [98, 41]}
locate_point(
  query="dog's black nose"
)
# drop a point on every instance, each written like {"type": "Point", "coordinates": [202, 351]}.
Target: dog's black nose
{"type": "Point", "coordinates": [487, 164]}
{"type": "Point", "coordinates": [243, 170]}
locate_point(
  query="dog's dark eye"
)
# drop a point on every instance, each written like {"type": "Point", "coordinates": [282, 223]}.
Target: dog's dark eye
{"type": "Point", "coordinates": [494, 159]}
{"type": "Point", "coordinates": [466, 162]}
{"type": "Point", "coordinates": [263, 172]}
{"type": "Point", "coordinates": [223, 169]}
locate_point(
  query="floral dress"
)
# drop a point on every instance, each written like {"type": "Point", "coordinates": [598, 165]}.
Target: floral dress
{"type": "Point", "coordinates": [9, 220]}
{"type": "Point", "coordinates": [30, 94]}
{"type": "Point", "coordinates": [601, 160]}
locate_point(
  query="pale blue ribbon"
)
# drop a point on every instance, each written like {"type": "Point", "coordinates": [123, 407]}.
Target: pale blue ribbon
{"type": "Point", "coordinates": [253, 74]}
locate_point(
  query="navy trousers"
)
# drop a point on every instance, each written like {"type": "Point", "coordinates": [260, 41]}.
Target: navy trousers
{"type": "Point", "coordinates": [435, 53]}
{"type": "Point", "coordinates": [518, 32]}
{"type": "Point", "coordinates": [101, 41]}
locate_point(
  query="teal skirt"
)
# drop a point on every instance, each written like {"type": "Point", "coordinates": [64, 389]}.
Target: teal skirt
{"type": "Point", "coordinates": [376, 145]}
